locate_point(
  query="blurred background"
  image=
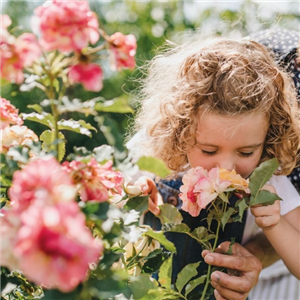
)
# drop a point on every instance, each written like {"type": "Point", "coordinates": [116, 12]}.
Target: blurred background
{"type": "Point", "coordinates": [152, 23]}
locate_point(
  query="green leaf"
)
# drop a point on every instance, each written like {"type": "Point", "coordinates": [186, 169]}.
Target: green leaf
{"type": "Point", "coordinates": [36, 107]}
{"type": "Point", "coordinates": [194, 283]}
{"type": "Point", "coordinates": [77, 126]}
{"type": "Point", "coordinates": [117, 105]}
{"type": "Point", "coordinates": [141, 285]}
{"type": "Point", "coordinates": [42, 118]}
{"type": "Point", "coordinates": [139, 203]}
{"type": "Point", "coordinates": [159, 236]}
{"type": "Point", "coordinates": [165, 273]}
{"type": "Point", "coordinates": [153, 165]}
{"type": "Point", "coordinates": [264, 198]}
{"type": "Point", "coordinates": [169, 214]}
{"type": "Point", "coordinates": [242, 206]}
{"type": "Point", "coordinates": [226, 216]}
{"type": "Point", "coordinates": [185, 275]}
{"type": "Point", "coordinates": [49, 143]}
{"type": "Point", "coordinates": [180, 228]}
{"type": "Point", "coordinates": [261, 175]}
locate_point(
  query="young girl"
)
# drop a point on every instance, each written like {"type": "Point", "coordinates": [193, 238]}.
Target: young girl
{"type": "Point", "coordinates": [222, 103]}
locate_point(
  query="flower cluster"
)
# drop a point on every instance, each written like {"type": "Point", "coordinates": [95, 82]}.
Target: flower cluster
{"type": "Point", "coordinates": [69, 27]}
{"type": "Point", "coordinates": [200, 187]}
{"type": "Point", "coordinates": [44, 227]}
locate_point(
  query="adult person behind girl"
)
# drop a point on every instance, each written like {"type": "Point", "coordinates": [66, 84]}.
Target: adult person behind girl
{"type": "Point", "coordinates": [225, 104]}
{"type": "Point", "coordinates": [276, 282]}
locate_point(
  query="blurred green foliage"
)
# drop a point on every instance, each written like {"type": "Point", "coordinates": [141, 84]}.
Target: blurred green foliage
{"type": "Point", "coordinates": [152, 22]}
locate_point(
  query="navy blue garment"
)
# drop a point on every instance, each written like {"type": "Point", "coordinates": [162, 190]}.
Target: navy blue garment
{"type": "Point", "coordinates": [188, 249]}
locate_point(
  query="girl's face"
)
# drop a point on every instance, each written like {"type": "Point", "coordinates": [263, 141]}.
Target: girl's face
{"type": "Point", "coordinates": [229, 142]}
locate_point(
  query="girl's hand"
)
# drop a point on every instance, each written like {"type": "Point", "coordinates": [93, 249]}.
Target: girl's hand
{"type": "Point", "coordinates": [148, 187]}
{"type": "Point", "coordinates": [267, 216]}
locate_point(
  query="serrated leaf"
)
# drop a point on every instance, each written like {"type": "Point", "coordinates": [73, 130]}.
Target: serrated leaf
{"type": "Point", "coordinates": [117, 105]}
{"type": "Point", "coordinates": [169, 214]}
{"type": "Point", "coordinates": [185, 275]}
{"type": "Point", "coordinates": [153, 165]}
{"type": "Point", "coordinates": [264, 198]}
{"type": "Point", "coordinates": [42, 118]}
{"type": "Point", "coordinates": [242, 206]}
{"type": "Point", "coordinates": [160, 237]}
{"type": "Point", "coordinates": [261, 175]}
{"type": "Point", "coordinates": [139, 203]}
{"type": "Point", "coordinates": [226, 216]}
{"type": "Point", "coordinates": [48, 138]}
{"type": "Point", "coordinates": [165, 273]}
{"type": "Point", "coordinates": [194, 283]}
{"type": "Point", "coordinates": [77, 126]}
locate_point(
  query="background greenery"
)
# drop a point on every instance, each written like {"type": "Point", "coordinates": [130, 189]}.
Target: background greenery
{"type": "Point", "coordinates": [152, 22]}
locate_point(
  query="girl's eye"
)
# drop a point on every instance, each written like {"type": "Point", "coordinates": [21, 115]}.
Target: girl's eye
{"type": "Point", "coordinates": [246, 154]}
{"type": "Point", "coordinates": [209, 152]}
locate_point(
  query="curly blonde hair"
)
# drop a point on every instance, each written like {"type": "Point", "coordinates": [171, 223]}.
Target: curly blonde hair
{"type": "Point", "coordinates": [219, 75]}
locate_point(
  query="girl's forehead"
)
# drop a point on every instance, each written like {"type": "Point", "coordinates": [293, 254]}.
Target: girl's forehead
{"type": "Point", "coordinates": [214, 127]}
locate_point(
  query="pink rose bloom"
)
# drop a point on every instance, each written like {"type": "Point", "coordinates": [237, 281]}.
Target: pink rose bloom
{"type": "Point", "coordinates": [88, 74]}
{"type": "Point", "coordinates": [17, 54]}
{"type": "Point", "coordinates": [16, 136]}
{"type": "Point", "coordinates": [9, 114]}
{"type": "Point", "coordinates": [67, 25]}
{"type": "Point", "coordinates": [200, 188]}
{"type": "Point", "coordinates": [94, 181]}
{"type": "Point", "coordinates": [123, 49]}
{"type": "Point", "coordinates": [42, 181]}
{"type": "Point", "coordinates": [54, 247]}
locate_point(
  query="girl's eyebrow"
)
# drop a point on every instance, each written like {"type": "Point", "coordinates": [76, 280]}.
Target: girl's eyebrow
{"type": "Point", "coordinates": [247, 146]}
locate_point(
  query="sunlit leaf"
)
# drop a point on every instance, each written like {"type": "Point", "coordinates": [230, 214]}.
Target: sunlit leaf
{"type": "Point", "coordinates": [169, 214]}
{"type": "Point", "coordinates": [160, 237]}
{"type": "Point", "coordinates": [117, 105]}
{"type": "Point", "coordinates": [185, 275]}
{"type": "Point", "coordinates": [42, 118]}
{"type": "Point", "coordinates": [77, 126]}
{"type": "Point", "coordinates": [153, 165]}
{"type": "Point", "coordinates": [48, 138]}
{"type": "Point", "coordinates": [165, 273]}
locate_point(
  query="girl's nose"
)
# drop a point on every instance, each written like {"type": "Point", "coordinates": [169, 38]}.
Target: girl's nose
{"type": "Point", "coordinates": [226, 164]}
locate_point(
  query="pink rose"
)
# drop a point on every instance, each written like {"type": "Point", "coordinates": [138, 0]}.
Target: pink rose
{"type": "Point", "coordinates": [123, 49]}
{"type": "Point", "coordinates": [200, 188]}
{"type": "Point", "coordinates": [94, 181]}
{"type": "Point", "coordinates": [67, 25]}
{"type": "Point", "coordinates": [17, 54]}
{"type": "Point", "coordinates": [54, 247]}
{"type": "Point", "coordinates": [16, 136]}
{"type": "Point", "coordinates": [88, 74]}
{"type": "Point", "coordinates": [9, 114]}
{"type": "Point", "coordinates": [43, 181]}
